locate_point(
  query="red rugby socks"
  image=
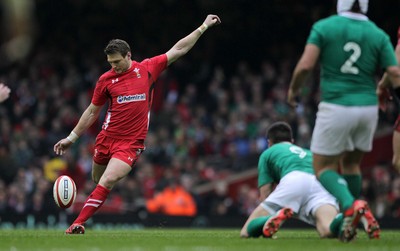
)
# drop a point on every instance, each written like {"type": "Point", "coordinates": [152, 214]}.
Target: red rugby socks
{"type": "Point", "coordinates": [92, 204]}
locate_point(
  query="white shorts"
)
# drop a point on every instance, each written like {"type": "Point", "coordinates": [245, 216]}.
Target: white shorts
{"type": "Point", "coordinates": [343, 128]}
{"type": "Point", "coordinates": [301, 192]}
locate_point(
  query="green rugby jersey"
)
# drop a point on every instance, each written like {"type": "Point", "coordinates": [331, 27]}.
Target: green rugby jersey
{"type": "Point", "coordinates": [352, 49]}
{"type": "Point", "coordinates": [280, 159]}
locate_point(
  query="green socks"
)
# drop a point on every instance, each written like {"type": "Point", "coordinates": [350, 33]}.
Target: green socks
{"type": "Point", "coordinates": [354, 182]}
{"type": "Point", "coordinates": [337, 186]}
{"type": "Point", "coordinates": [335, 225]}
{"type": "Point", "coordinates": [255, 226]}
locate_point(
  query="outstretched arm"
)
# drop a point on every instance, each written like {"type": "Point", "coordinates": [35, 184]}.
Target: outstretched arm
{"type": "Point", "coordinates": [303, 68]}
{"type": "Point", "coordinates": [88, 117]}
{"type": "Point", "coordinates": [185, 44]}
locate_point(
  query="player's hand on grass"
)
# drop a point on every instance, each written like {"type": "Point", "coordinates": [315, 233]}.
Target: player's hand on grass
{"type": "Point", "coordinates": [61, 146]}
{"type": "Point", "coordinates": [212, 20]}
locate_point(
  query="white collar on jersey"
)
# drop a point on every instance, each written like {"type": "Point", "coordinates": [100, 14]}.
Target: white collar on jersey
{"type": "Point", "coordinates": [352, 15]}
{"type": "Point", "coordinates": [346, 5]}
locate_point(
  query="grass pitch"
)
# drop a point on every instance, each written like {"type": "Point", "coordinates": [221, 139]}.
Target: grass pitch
{"type": "Point", "coordinates": [185, 239]}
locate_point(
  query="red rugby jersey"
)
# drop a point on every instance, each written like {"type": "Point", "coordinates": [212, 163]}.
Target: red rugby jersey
{"type": "Point", "coordinates": [130, 97]}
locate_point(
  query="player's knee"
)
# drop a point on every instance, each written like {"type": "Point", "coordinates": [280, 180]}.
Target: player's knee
{"type": "Point", "coordinates": [108, 181]}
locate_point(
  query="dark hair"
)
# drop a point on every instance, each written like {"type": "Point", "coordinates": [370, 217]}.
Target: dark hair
{"type": "Point", "coordinates": [356, 8]}
{"type": "Point", "coordinates": [117, 46]}
{"type": "Point", "coordinates": [279, 131]}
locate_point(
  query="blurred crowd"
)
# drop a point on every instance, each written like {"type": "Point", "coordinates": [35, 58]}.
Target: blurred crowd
{"type": "Point", "coordinates": [210, 111]}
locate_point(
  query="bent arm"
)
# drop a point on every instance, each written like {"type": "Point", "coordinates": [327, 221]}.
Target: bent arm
{"type": "Point", "coordinates": [89, 116]}
{"type": "Point", "coordinates": [265, 191]}
{"type": "Point", "coordinates": [87, 119]}
{"type": "Point", "coordinates": [185, 44]}
{"type": "Point", "coordinates": [391, 73]}
{"type": "Point", "coordinates": [303, 68]}
{"type": "Point", "coordinates": [391, 78]}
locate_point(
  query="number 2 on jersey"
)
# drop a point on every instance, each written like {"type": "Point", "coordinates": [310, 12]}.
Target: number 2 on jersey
{"type": "Point", "coordinates": [348, 66]}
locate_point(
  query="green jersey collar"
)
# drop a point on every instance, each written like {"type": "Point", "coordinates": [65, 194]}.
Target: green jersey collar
{"type": "Point", "coordinates": [352, 15]}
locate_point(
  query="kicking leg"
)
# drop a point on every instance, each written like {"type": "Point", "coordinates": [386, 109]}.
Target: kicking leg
{"type": "Point", "coordinates": [116, 170]}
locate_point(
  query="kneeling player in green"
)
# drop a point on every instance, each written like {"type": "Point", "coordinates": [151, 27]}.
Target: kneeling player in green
{"type": "Point", "coordinates": [298, 194]}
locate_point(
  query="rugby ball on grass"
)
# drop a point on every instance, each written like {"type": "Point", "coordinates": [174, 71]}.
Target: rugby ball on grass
{"type": "Point", "coordinates": [64, 191]}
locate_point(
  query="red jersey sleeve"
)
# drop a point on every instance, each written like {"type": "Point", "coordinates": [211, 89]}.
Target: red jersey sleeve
{"type": "Point", "coordinates": [100, 93]}
{"type": "Point", "coordinates": [155, 65]}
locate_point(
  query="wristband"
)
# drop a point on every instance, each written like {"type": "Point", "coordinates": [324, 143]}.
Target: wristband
{"type": "Point", "coordinates": [72, 137]}
{"type": "Point", "coordinates": [202, 28]}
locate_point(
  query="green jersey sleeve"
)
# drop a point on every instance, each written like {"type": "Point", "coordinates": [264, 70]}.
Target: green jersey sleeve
{"type": "Point", "coordinates": [264, 176]}
{"type": "Point", "coordinates": [387, 56]}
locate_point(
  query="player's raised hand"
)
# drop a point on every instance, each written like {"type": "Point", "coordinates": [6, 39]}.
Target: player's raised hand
{"type": "Point", "coordinates": [212, 20]}
{"type": "Point", "coordinates": [61, 146]}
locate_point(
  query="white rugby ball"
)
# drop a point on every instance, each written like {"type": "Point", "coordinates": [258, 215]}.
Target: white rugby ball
{"type": "Point", "coordinates": [64, 191]}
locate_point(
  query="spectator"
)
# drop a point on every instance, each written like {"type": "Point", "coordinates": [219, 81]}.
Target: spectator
{"type": "Point", "coordinates": [74, 170]}
{"type": "Point", "coordinates": [395, 198]}
{"type": "Point", "coordinates": [173, 200]}
{"type": "Point", "coordinates": [221, 204]}
{"type": "Point", "coordinates": [381, 186]}
{"type": "Point", "coordinates": [4, 92]}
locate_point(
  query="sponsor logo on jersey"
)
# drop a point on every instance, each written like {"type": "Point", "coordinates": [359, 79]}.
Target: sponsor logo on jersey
{"type": "Point", "coordinates": [136, 70]}
{"type": "Point", "coordinates": [131, 98]}
{"type": "Point", "coordinates": [114, 80]}
{"type": "Point", "coordinates": [342, 182]}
